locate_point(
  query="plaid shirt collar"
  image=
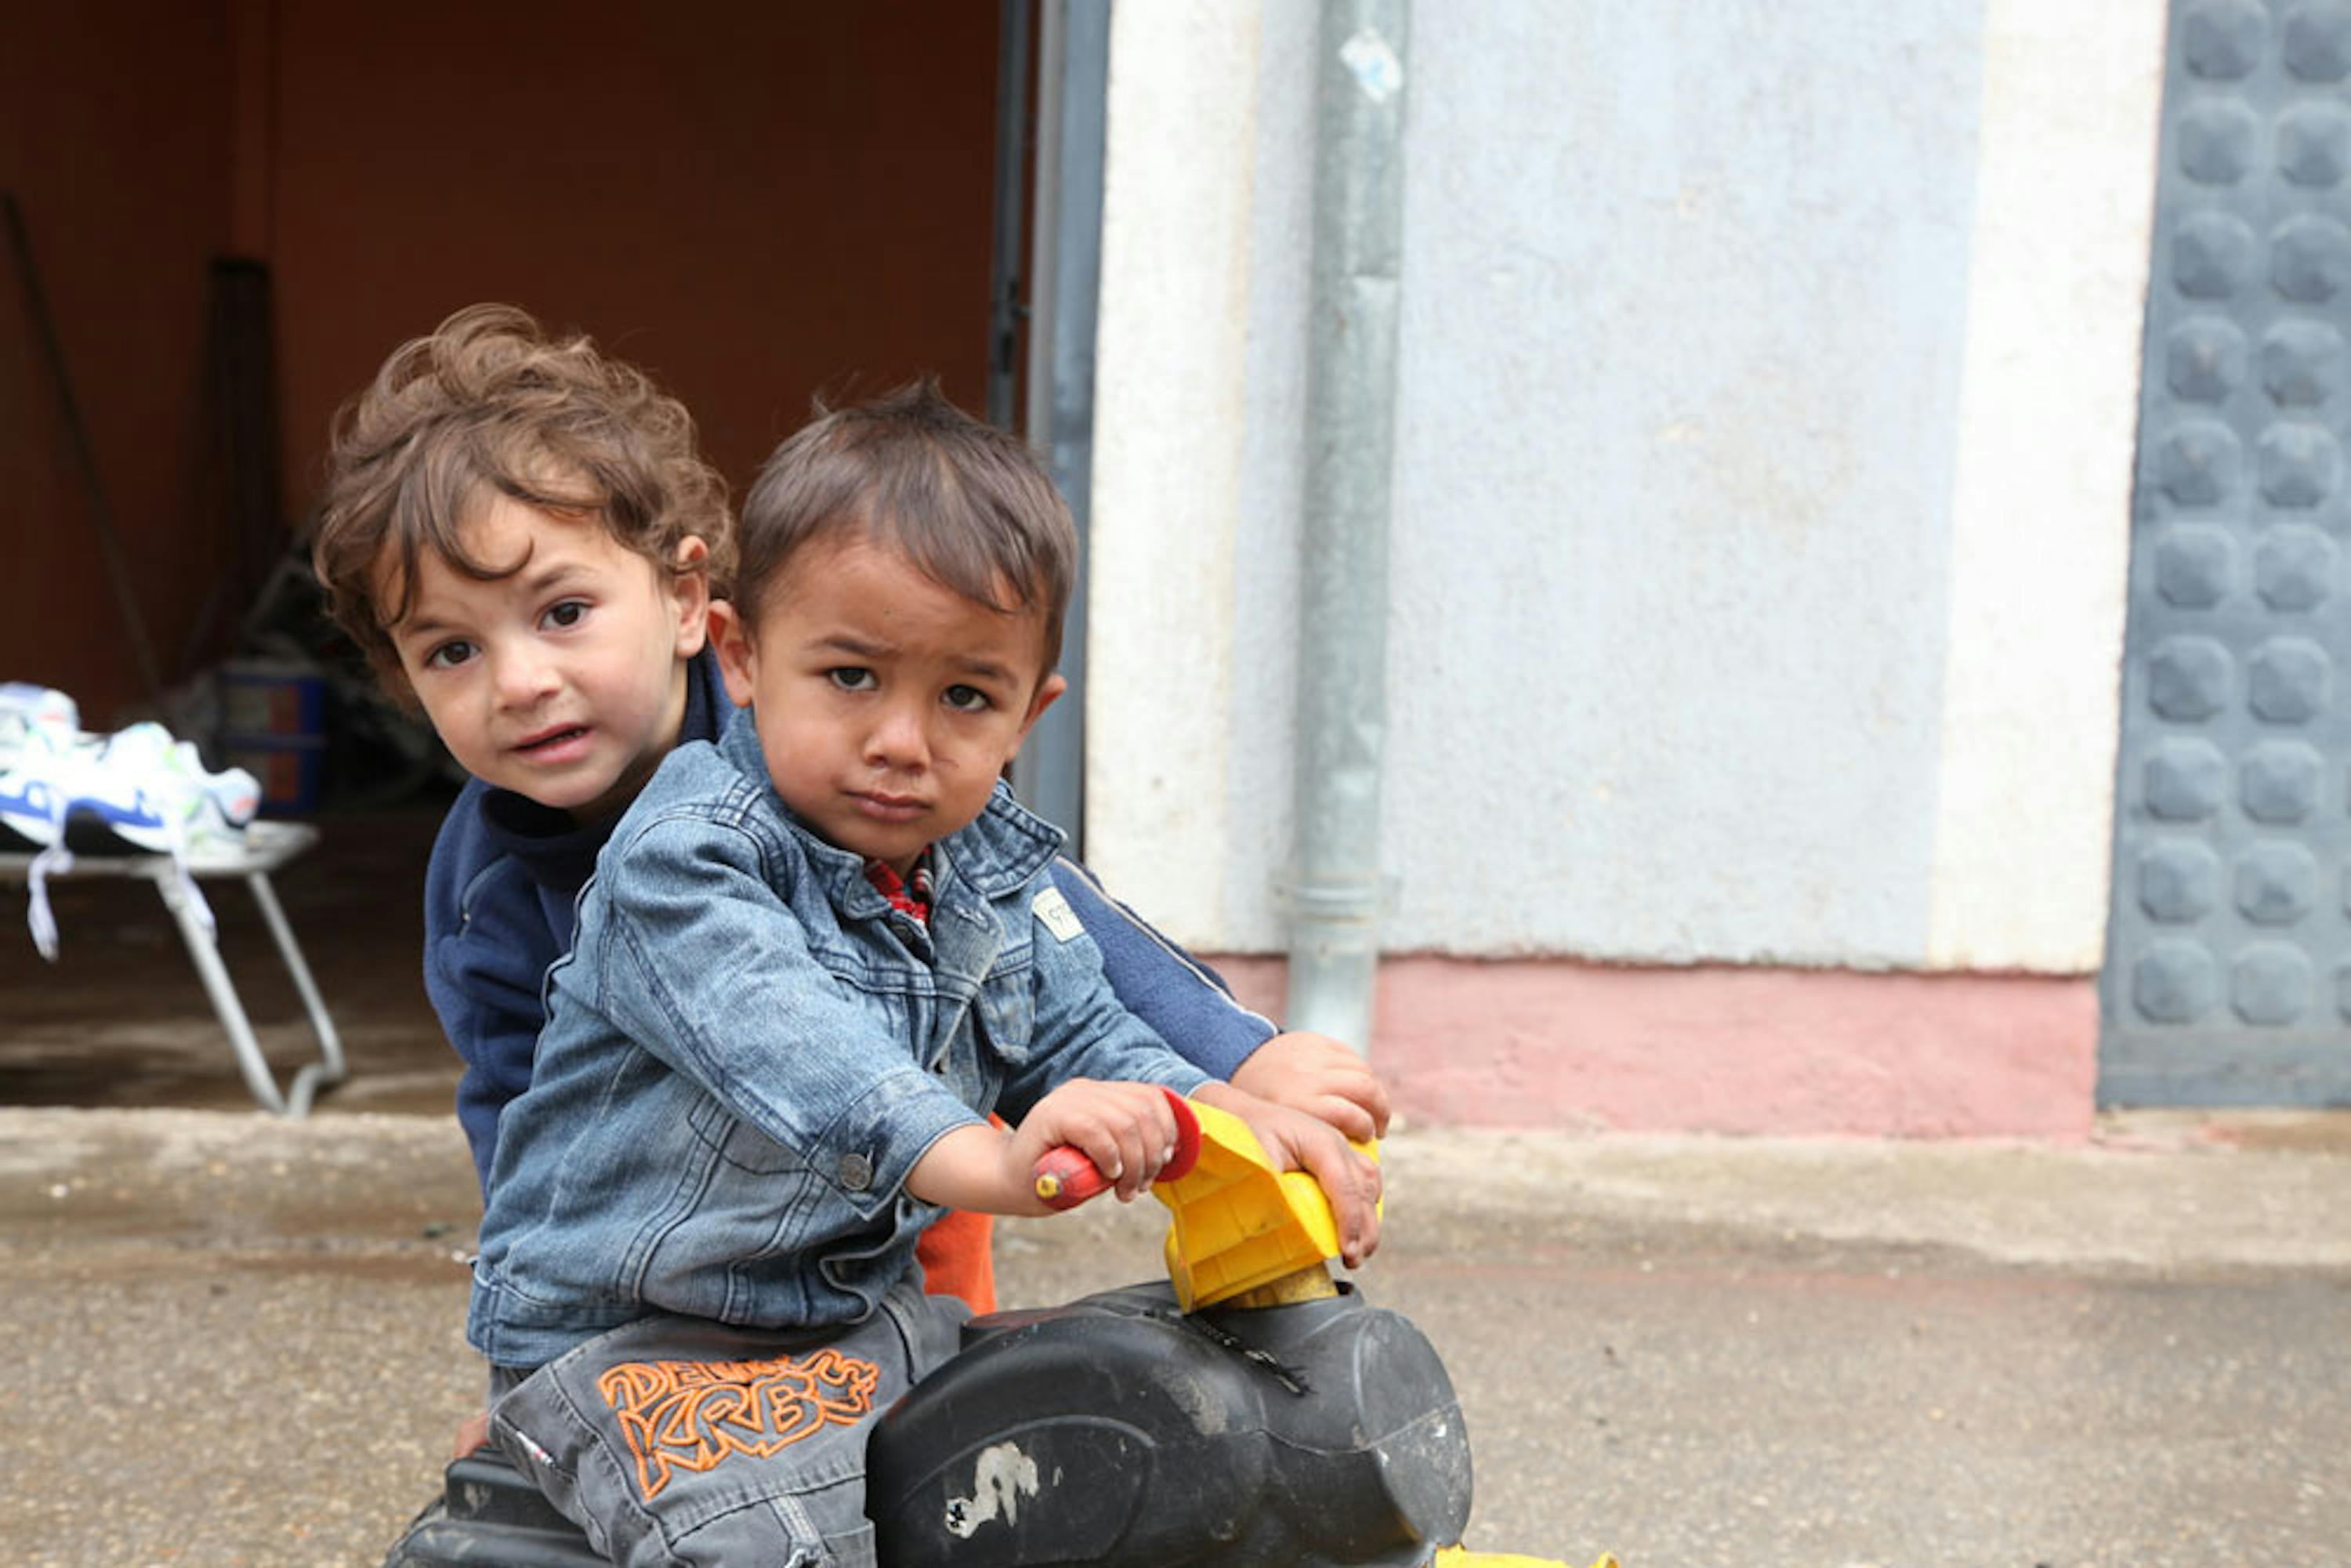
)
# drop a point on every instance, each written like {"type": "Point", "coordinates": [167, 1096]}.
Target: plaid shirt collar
{"type": "Point", "coordinates": [910, 894]}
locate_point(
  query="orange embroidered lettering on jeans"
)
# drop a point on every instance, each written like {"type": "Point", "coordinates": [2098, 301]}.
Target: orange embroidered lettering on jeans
{"type": "Point", "coordinates": [697, 1414]}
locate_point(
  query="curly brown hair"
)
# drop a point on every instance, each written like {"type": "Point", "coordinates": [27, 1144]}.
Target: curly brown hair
{"type": "Point", "coordinates": [489, 401]}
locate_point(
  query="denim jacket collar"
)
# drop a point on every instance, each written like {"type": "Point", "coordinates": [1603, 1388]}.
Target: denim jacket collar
{"type": "Point", "coordinates": [1002, 848]}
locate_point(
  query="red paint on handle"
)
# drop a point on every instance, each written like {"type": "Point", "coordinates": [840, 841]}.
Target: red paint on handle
{"type": "Point", "coordinates": [1065, 1178]}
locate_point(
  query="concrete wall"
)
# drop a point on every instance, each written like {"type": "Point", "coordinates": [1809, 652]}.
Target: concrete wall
{"type": "Point", "coordinates": [1761, 479]}
{"type": "Point", "coordinates": [1743, 609]}
{"type": "Point", "coordinates": [2048, 425]}
{"type": "Point", "coordinates": [1181, 528]}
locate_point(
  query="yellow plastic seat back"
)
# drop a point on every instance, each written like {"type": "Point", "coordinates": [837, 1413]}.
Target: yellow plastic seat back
{"type": "Point", "coordinates": [1239, 1223]}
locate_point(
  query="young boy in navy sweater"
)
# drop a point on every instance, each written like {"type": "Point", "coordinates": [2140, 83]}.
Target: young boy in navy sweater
{"type": "Point", "coordinates": [814, 958]}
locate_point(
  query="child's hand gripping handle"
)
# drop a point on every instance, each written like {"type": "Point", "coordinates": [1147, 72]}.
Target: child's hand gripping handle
{"type": "Point", "coordinates": [1065, 1178]}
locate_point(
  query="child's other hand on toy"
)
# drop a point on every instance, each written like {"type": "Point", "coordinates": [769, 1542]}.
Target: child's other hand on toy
{"type": "Point", "coordinates": [1321, 1076]}
{"type": "Point", "coordinates": [1298, 1142]}
{"type": "Point", "coordinates": [1127, 1129]}
{"type": "Point", "coordinates": [473, 1433]}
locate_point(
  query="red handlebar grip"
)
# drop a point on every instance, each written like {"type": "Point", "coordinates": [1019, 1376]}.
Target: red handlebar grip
{"type": "Point", "coordinates": [1065, 1178]}
{"type": "Point", "coordinates": [1188, 1140]}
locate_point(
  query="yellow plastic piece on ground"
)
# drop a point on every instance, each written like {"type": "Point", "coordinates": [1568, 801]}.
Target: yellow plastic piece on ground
{"type": "Point", "coordinates": [1454, 1557]}
{"type": "Point", "coordinates": [1238, 1222]}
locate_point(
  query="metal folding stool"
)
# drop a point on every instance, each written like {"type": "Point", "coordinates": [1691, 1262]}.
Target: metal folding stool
{"type": "Point", "coordinates": [267, 846]}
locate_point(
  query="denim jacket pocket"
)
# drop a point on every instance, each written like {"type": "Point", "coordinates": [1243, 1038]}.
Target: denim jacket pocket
{"type": "Point", "coordinates": [754, 1201]}
{"type": "Point", "coordinates": [1007, 1016]}
{"type": "Point", "coordinates": [866, 1268]}
{"type": "Point", "coordinates": [733, 1263]}
{"type": "Point", "coordinates": [738, 1143]}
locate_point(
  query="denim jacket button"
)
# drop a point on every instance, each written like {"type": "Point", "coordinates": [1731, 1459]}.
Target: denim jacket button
{"type": "Point", "coordinates": [856, 1172]}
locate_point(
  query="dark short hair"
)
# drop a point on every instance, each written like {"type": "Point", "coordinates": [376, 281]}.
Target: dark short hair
{"type": "Point", "coordinates": [970, 505]}
{"type": "Point", "coordinates": [489, 403]}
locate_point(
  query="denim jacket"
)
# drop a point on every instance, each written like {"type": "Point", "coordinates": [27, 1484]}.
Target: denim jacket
{"type": "Point", "coordinates": [747, 1050]}
{"type": "Point", "coordinates": [499, 909]}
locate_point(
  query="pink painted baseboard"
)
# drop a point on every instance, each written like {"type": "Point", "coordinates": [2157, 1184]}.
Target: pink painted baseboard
{"type": "Point", "coordinates": [1555, 1044]}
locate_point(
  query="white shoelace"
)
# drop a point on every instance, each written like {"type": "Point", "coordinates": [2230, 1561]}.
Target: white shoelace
{"type": "Point", "coordinates": [53, 858]}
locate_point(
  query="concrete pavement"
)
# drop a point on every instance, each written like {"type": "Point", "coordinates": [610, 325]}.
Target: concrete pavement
{"type": "Point", "coordinates": [238, 1341]}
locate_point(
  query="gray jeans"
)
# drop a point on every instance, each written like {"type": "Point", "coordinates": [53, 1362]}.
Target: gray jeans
{"type": "Point", "coordinates": [677, 1443]}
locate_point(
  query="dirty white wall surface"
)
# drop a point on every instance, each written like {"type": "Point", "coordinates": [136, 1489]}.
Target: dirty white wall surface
{"type": "Point", "coordinates": [2040, 558]}
{"type": "Point", "coordinates": [1161, 705]}
{"type": "Point", "coordinates": [1706, 477]}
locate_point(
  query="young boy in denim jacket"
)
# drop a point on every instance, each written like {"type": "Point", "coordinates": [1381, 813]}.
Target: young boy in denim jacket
{"type": "Point", "coordinates": [519, 533]}
{"type": "Point", "coordinates": [813, 959]}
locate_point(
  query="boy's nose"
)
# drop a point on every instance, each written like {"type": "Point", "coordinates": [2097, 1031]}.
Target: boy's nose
{"type": "Point", "coordinates": [899, 740]}
{"type": "Point", "coordinates": [521, 676]}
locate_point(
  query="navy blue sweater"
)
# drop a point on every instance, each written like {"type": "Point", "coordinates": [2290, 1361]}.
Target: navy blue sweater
{"type": "Point", "coordinates": [501, 901]}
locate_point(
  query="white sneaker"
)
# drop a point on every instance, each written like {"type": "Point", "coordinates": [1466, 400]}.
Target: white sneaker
{"type": "Point", "coordinates": [39, 724]}
{"type": "Point", "coordinates": [37, 719]}
{"type": "Point", "coordinates": [28, 813]}
{"type": "Point", "coordinates": [139, 791]}
{"type": "Point", "coordinates": [159, 798]}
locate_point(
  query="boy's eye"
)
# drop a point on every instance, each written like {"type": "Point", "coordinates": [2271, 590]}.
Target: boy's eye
{"type": "Point", "coordinates": [851, 678]}
{"type": "Point", "coordinates": [448, 655]}
{"type": "Point", "coordinates": [569, 613]}
{"type": "Point", "coordinates": [965, 699]}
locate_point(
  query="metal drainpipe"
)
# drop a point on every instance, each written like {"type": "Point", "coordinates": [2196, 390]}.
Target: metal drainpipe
{"type": "Point", "coordinates": [1335, 881]}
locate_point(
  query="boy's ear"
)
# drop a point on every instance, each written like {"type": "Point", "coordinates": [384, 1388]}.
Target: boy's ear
{"type": "Point", "coordinates": [1048, 689]}
{"type": "Point", "coordinates": [736, 658]}
{"type": "Point", "coordinates": [689, 586]}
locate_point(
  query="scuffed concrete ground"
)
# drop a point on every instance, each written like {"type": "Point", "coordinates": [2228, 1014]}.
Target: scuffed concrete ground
{"type": "Point", "coordinates": [238, 1341]}
{"type": "Point", "coordinates": [232, 1341]}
